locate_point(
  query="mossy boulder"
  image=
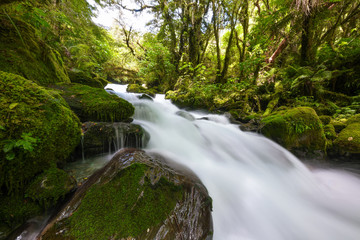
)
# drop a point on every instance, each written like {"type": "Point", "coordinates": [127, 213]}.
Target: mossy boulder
{"type": "Point", "coordinates": [137, 88]}
{"type": "Point", "coordinates": [50, 186]}
{"type": "Point", "coordinates": [25, 54]}
{"type": "Point", "coordinates": [38, 130]}
{"type": "Point", "coordinates": [348, 140]}
{"type": "Point", "coordinates": [298, 129]}
{"type": "Point", "coordinates": [77, 76]}
{"type": "Point", "coordinates": [136, 196]}
{"type": "Point", "coordinates": [104, 137]}
{"type": "Point", "coordinates": [95, 104]}
{"type": "Point", "coordinates": [325, 119]}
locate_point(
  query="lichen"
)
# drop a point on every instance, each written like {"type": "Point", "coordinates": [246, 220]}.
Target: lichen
{"type": "Point", "coordinates": [94, 104]}
{"type": "Point", "coordinates": [126, 206]}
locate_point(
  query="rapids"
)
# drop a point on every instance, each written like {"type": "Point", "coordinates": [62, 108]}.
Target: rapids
{"type": "Point", "coordinates": [260, 191]}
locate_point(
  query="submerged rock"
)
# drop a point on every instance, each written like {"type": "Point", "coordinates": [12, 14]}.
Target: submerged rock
{"type": "Point", "coordinates": [136, 196]}
{"type": "Point", "coordinates": [298, 129]}
{"type": "Point", "coordinates": [104, 137]}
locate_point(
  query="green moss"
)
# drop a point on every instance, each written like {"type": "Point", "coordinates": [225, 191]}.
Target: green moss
{"type": "Point", "coordinates": [15, 210]}
{"type": "Point", "coordinates": [82, 78]}
{"type": "Point", "coordinates": [50, 186]}
{"type": "Point", "coordinates": [338, 126]}
{"type": "Point", "coordinates": [137, 88]}
{"type": "Point", "coordinates": [325, 119]}
{"type": "Point", "coordinates": [126, 206]}
{"type": "Point", "coordinates": [295, 128]}
{"type": "Point", "coordinates": [353, 119]}
{"type": "Point", "coordinates": [28, 55]}
{"type": "Point", "coordinates": [348, 139]}
{"type": "Point", "coordinates": [94, 104]}
{"type": "Point", "coordinates": [329, 131]}
{"type": "Point", "coordinates": [26, 108]}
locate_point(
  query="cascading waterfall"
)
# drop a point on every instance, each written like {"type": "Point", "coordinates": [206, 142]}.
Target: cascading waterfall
{"type": "Point", "coordinates": [259, 190]}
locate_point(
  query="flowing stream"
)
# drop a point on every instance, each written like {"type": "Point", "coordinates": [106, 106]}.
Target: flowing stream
{"type": "Point", "coordinates": [260, 191]}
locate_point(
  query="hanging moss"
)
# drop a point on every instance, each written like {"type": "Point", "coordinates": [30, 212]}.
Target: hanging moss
{"type": "Point", "coordinates": [37, 132]}
{"type": "Point", "coordinates": [94, 104]}
{"type": "Point", "coordinates": [25, 54]}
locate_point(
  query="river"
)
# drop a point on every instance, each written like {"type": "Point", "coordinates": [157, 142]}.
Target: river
{"type": "Point", "coordinates": [259, 190]}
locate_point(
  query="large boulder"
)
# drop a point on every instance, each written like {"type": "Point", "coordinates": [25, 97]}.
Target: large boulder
{"type": "Point", "coordinates": [105, 137]}
{"type": "Point", "coordinates": [348, 140]}
{"type": "Point", "coordinates": [95, 104]}
{"type": "Point", "coordinates": [37, 131]}
{"type": "Point", "coordinates": [136, 196]}
{"type": "Point", "coordinates": [298, 129]}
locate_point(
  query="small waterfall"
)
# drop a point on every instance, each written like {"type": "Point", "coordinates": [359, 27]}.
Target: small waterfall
{"type": "Point", "coordinates": [259, 189]}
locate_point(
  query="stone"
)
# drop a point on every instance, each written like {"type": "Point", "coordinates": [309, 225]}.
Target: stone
{"type": "Point", "coordinates": [136, 196]}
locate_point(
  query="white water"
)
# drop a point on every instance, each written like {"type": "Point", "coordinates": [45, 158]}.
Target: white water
{"type": "Point", "coordinates": [260, 191]}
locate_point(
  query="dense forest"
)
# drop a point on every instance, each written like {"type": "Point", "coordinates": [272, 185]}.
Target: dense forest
{"type": "Point", "coordinates": [289, 69]}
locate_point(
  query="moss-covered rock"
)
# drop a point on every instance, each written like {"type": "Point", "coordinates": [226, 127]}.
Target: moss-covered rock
{"type": "Point", "coordinates": [353, 119]}
{"type": "Point", "coordinates": [329, 131]}
{"type": "Point", "coordinates": [37, 130]}
{"type": "Point", "coordinates": [297, 129]}
{"type": "Point", "coordinates": [348, 140]}
{"type": "Point", "coordinates": [136, 196]}
{"type": "Point", "coordinates": [95, 104]}
{"type": "Point", "coordinates": [137, 88]}
{"type": "Point", "coordinates": [325, 119]}
{"type": "Point", "coordinates": [50, 186]}
{"type": "Point", "coordinates": [82, 78]}
{"type": "Point", "coordinates": [25, 54]}
{"type": "Point", "coordinates": [103, 137]}
{"type": "Point", "coordinates": [14, 211]}
{"type": "Point", "coordinates": [338, 125]}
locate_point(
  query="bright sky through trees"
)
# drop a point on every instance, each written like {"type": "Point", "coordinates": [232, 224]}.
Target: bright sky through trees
{"type": "Point", "coordinates": [106, 16]}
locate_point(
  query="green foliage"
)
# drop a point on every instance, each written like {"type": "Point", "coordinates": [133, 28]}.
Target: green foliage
{"type": "Point", "coordinates": [26, 143]}
{"type": "Point", "coordinates": [157, 68]}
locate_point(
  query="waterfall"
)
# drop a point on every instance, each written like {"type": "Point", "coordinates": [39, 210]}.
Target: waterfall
{"type": "Point", "coordinates": [259, 190]}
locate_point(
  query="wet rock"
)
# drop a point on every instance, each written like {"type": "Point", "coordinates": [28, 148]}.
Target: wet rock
{"type": "Point", "coordinates": [136, 196]}
{"type": "Point", "coordinates": [185, 115]}
{"type": "Point", "coordinates": [104, 137]}
{"type": "Point", "coordinates": [146, 97]}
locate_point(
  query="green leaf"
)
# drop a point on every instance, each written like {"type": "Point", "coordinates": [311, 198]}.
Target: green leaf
{"type": "Point", "coordinates": [10, 156]}
{"type": "Point", "coordinates": [2, 128]}
{"type": "Point", "coordinates": [8, 146]}
{"type": "Point", "coordinates": [13, 105]}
